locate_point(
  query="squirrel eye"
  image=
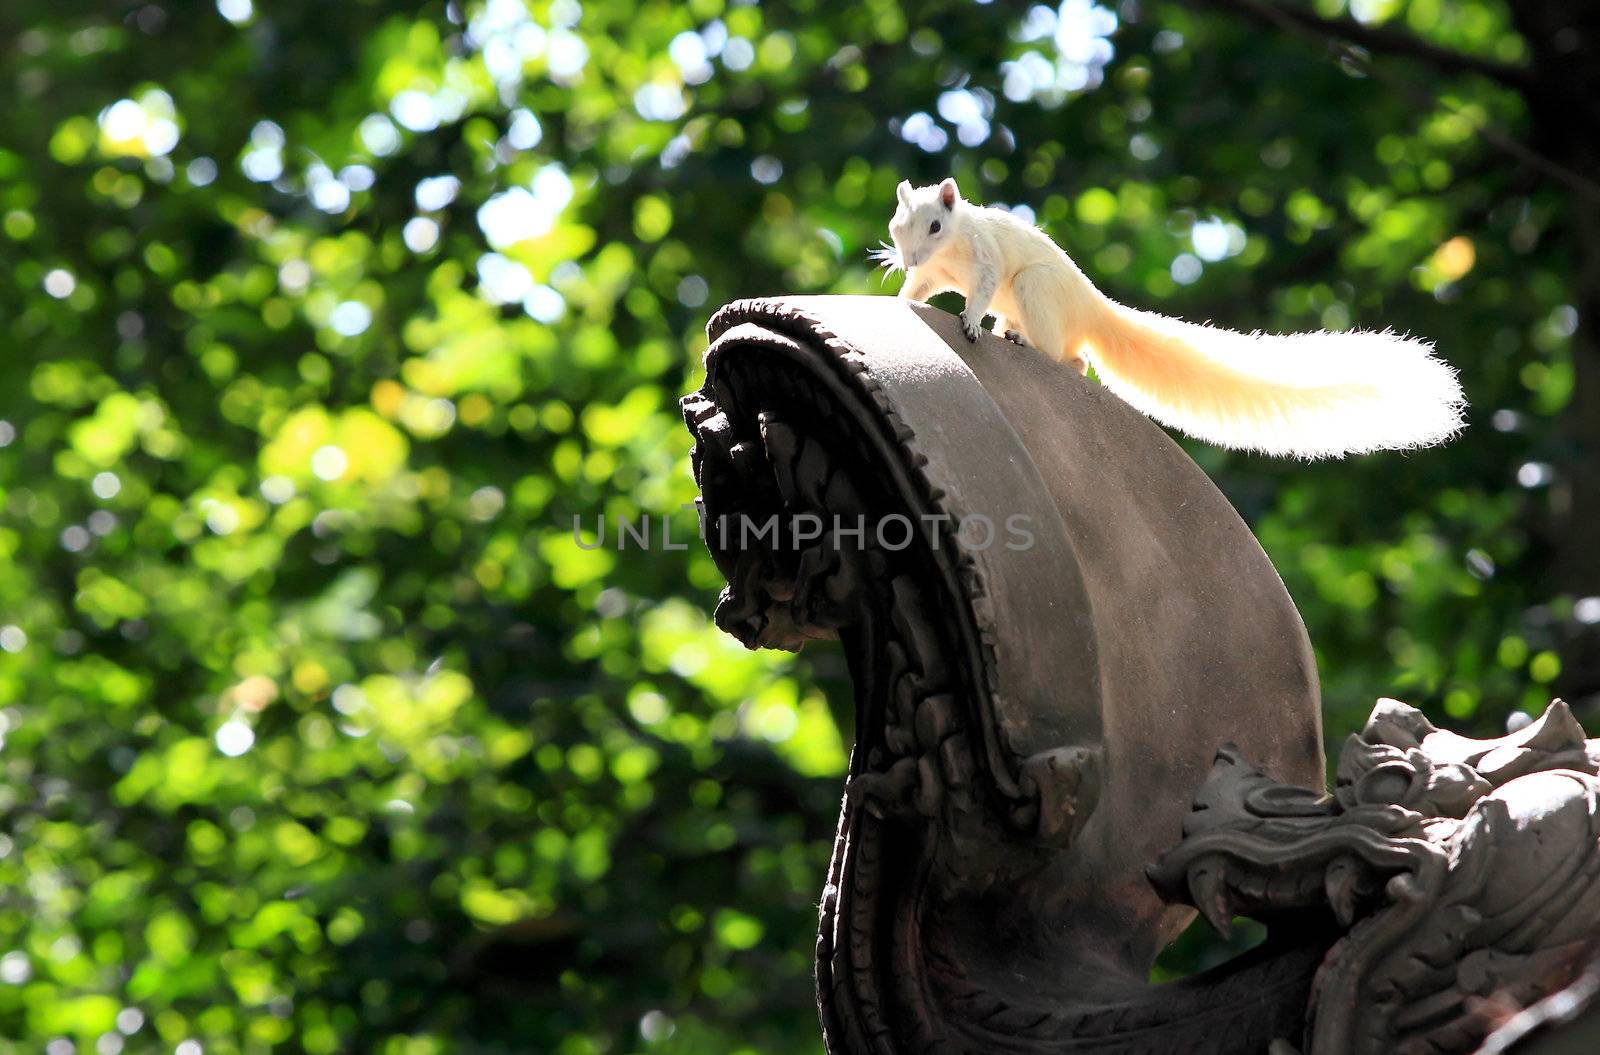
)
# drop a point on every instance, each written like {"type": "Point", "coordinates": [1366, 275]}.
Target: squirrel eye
{"type": "Point", "coordinates": [935, 228]}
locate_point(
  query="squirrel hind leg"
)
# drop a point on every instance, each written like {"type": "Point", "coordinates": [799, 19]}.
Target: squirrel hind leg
{"type": "Point", "coordinates": [1042, 316]}
{"type": "Point", "coordinates": [1002, 328]}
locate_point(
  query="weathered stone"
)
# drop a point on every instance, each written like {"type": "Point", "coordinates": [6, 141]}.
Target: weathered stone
{"type": "Point", "coordinates": [1056, 705]}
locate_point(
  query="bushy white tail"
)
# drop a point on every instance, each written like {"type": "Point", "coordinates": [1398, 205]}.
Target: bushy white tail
{"type": "Point", "coordinates": [1310, 395]}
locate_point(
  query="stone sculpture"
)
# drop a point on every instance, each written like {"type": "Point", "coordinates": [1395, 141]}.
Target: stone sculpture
{"type": "Point", "coordinates": [1054, 622]}
{"type": "Point", "coordinates": [1465, 872]}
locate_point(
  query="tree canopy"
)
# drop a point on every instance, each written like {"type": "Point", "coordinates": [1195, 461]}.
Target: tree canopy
{"type": "Point", "coordinates": [323, 322]}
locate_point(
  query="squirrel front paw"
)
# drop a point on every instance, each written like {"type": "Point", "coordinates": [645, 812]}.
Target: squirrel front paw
{"type": "Point", "coordinates": [1015, 337]}
{"type": "Point", "coordinates": [969, 328]}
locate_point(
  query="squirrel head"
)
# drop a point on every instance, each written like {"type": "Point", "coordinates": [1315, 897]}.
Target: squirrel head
{"type": "Point", "coordinates": [925, 221]}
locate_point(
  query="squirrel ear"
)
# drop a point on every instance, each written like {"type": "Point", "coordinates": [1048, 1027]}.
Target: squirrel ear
{"type": "Point", "coordinates": [903, 191]}
{"type": "Point", "coordinates": [948, 193]}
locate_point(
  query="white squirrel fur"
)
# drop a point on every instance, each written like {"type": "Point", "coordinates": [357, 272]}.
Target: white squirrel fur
{"type": "Point", "coordinates": [1310, 395]}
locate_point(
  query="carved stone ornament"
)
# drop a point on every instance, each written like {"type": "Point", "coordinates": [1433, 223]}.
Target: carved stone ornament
{"type": "Point", "coordinates": [1465, 872]}
{"type": "Point", "coordinates": [1053, 622]}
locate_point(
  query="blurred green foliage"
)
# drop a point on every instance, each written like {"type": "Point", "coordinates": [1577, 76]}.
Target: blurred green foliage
{"type": "Point", "coordinates": [322, 321]}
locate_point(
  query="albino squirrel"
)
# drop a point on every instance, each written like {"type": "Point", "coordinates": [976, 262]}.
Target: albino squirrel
{"type": "Point", "coordinates": [1310, 395]}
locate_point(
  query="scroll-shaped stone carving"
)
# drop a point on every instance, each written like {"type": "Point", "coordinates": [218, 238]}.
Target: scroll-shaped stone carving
{"type": "Point", "coordinates": [1032, 715]}
{"type": "Point", "coordinates": [1466, 871]}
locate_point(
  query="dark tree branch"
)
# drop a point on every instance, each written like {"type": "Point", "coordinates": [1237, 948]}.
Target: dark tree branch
{"type": "Point", "coordinates": [1346, 34]}
{"type": "Point", "coordinates": [1377, 39]}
